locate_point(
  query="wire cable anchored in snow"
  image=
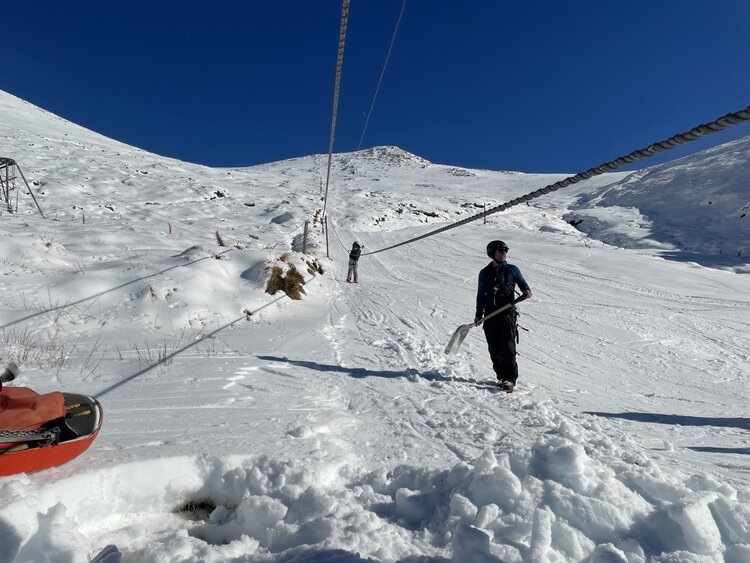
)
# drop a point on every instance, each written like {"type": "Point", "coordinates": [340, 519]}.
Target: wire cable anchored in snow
{"type": "Point", "coordinates": [382, 73]}
{"type": "Point", "coordinates": [338, 238]}
{"type": "Point", "coordinates": [69, 304]}
{"type": "Point", "coordinates": [702, 130]}
{"type": "Point", "coordinates": [169, 357]}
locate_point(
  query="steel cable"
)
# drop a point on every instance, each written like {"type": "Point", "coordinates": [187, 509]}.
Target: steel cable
{"type": "Point", "coordinates": [47, 436]}
{"type": "Point", "coordinates": [723, 122]}
{"type": "Point", "coordinates": [382, 73]}
{"type": "Point", "coordinates": [336, 89]}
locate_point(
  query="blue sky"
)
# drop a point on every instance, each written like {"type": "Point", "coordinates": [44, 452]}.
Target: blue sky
{"type": "Point", "coordinates": [536, 86]}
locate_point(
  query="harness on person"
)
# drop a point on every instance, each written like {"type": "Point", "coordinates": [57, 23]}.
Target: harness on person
{"type": "Point", "coordinates": [501, 287]}
{"type": "Point", "coordinates": [500, 292]}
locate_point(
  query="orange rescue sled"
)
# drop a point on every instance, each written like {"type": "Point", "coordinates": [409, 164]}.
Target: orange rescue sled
{"type": "Point", "coordinates": [42, 431]}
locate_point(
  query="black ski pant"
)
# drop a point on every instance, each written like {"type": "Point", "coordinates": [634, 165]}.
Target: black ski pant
{"type": "Point", "coordinates": [501, 333]}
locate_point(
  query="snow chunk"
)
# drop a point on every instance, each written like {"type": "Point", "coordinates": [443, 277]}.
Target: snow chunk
{"type": "Point", "coordinates": [501, 487]}
{"type": "Point", "coordinates": [57, 540]}
{"type": "Point", "coordinates": [698, 526]}
{"type": "Point", "coordinates": [607, 553]}
{"type": "Point", "coordinates": [414, 507]}
{"type": "Point", "coordinates": [471, 544]}
{"type": "Point", "coordinates": [541, 535]}
{"type": "Point", "coordinates": [255, 518]}
{"type": "Point", "coordinates": [561, 460]}
{"type": "Point", "coordinates": [463, 508]}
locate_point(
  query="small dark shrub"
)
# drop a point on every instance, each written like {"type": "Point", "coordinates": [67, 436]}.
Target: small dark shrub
{"type": "Point", "coordinates": [291, 283]}
{"type": "Point", "coordinates": [314, 267]}
{"type": "Point", "coordinates": [294, 282]}
{"type": "Point", "coordinates": [196, 511]}
{"type": "Point", "coordinates": [275, 281]}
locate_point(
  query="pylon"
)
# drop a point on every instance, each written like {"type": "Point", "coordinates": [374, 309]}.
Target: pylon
{"type": "Point", "coordinates": [8, 168]}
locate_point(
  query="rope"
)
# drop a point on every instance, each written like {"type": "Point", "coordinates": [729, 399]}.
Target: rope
{"type": "Point", "coordinates": [734, 118]}
{"type": "Point", "coordinates": [338, 238]}
{"type": "Point", "coordinates": [336, 88]}
{"type": "Point", "coordinates": [145, 214]}
{"type": "Point", "coordinates": [382, 73]}
{"type": "Point", "coordinates": [247, 314]}
{"type": "Point", "coordinates": [48, 436]}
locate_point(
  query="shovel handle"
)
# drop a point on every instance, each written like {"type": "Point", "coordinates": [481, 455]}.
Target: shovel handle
{"type": "Point", "coordinates": [501, 309]}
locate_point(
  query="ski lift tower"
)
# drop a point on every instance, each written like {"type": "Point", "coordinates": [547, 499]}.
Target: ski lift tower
{"type": "Point", "coordinates": [8, 169]}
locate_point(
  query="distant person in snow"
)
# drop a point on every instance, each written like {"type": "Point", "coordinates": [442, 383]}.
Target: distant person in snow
{"type": "Point", "coordinates": [351, 274]}
{"type": "Point", "coordinates": [497, 283]}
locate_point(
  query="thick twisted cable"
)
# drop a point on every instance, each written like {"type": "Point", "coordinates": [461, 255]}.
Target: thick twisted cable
{"type": "Point", "coordinates": [27, 436]}
{"type": "Point", "coordinates": [723, 122]}
{"type": "Point", "coordinates": [336, 88]}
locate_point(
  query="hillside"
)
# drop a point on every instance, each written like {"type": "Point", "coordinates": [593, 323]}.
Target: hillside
{"type": "Point", "coordinates": [241, 426]}
{"type": "Point", "coordinates": [693, 209]}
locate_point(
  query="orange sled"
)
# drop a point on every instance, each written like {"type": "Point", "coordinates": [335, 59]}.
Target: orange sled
{"type": "Point", "coordinates": [41, 431]}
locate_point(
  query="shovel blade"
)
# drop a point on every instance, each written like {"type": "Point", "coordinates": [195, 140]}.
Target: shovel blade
{"type": "Point", "coordinates": [458, 337]}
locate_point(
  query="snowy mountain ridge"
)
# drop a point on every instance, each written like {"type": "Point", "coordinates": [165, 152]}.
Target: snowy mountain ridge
{"type": "Point", "coordinates": [242, 426]}
{"type": "Point", "coordinates": [710, 186]}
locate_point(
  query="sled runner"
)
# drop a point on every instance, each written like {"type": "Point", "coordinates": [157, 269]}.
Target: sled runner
{"type": "Point", "coordinates": [42, 431]}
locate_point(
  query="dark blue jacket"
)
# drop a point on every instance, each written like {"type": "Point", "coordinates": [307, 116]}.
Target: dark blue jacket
{"type": "Point", "coordinates": [356, 251]}
{"type": "Point", "coordinates": [484, 290]}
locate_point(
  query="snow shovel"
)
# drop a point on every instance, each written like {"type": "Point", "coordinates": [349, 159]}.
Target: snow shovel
{"type": "Point", "coordinates": [460, 335]}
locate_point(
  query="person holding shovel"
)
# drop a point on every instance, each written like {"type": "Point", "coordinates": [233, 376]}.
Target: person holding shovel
{"type": "Point", "coordinates": [497, 283]}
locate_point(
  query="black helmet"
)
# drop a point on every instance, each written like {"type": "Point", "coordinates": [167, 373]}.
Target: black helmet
{"type": "Point", "coordinates": [495, 245]}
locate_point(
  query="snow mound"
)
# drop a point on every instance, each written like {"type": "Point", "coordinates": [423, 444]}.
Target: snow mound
{"type": "Point", "coordinates": [553, 502]}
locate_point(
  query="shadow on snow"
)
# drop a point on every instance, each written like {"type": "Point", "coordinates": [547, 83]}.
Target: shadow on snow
{"type": "Point", "coordinates": [359, 373]}
{"type": "Point", "coordinates": [714, 450]}
{"type": "Point", "coordinates": [683, 420]}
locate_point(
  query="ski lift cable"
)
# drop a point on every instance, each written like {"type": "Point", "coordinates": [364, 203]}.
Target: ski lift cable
{"type": "Point", "coordinates": [148, 216]}
{"type": "Point", "coordinates": [246, 316]}
{"type": "Point", "coordinates": [697, 132]}
{"type": "Point", "coordinates": [336, 89]}
{"type": "Point", "coordinates": [335, 232]}
{"type": "Point", "coordinates": [382, 73]}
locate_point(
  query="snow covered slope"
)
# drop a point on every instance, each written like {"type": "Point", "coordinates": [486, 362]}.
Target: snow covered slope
{"type": "Point", "coordinates": [696, 208]}
{"type": "Point", "coordinates": [241, 426]}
